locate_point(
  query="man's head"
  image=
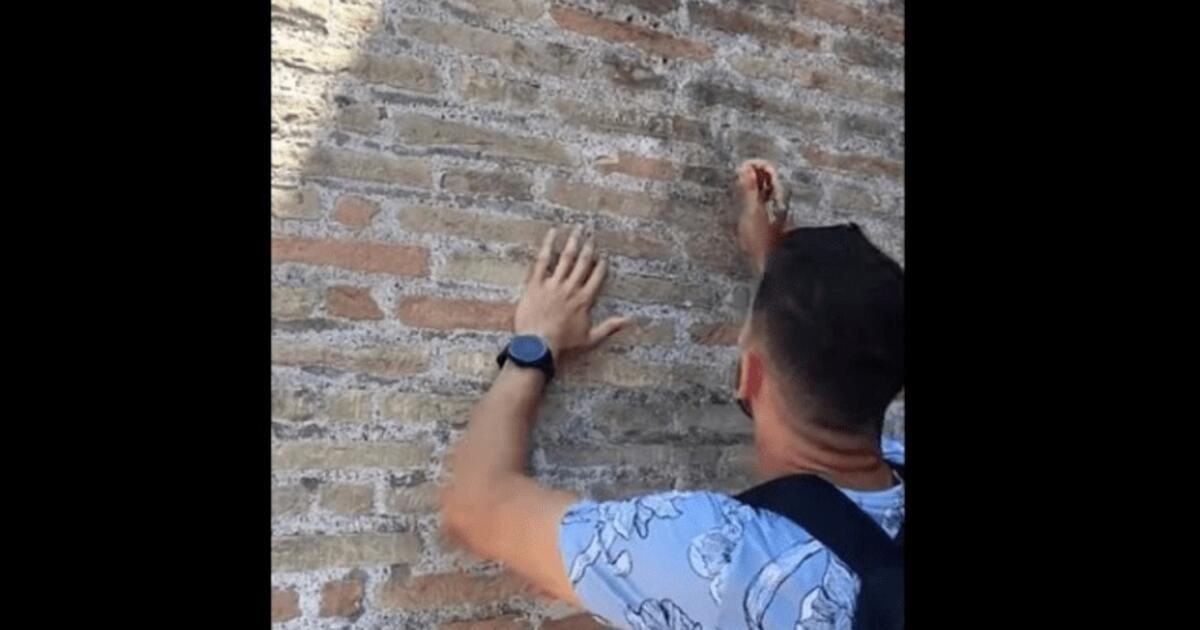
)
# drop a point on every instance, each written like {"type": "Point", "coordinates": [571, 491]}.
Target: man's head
{"type": "Point", "coordinates": [823, 348]}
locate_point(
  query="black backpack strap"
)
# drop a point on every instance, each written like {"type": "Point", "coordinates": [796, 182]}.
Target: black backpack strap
{"type": "Point", "coordinates": [857, 540]}
{"type": "Point", "coordinates": [830, 517]}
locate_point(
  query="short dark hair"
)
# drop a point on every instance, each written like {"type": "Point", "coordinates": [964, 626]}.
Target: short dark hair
{"type": "Point", "coordinates": [830, 308]}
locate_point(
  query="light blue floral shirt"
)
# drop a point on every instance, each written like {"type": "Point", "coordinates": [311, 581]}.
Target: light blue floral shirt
{"type": "Point", "coordinates": [703, 561]}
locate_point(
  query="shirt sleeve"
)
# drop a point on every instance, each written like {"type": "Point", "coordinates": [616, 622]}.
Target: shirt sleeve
{"type": "Point", "coordinates": [893, 449]}
{"type": "Point", "coordinates": [628, 560]}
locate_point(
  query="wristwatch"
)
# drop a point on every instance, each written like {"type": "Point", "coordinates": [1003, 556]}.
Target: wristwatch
{"type": "Point", "coordinates": [529, 351]}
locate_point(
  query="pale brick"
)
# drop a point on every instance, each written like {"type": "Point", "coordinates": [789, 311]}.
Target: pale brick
{"type": "Point", "coordinates": [355, 165]}
{"type": "Point", "coordinates": [589, 198]}
{"type": "Point", "coordinates": [497, 183]}
{"type": "Point", "coordinates": [834, 12]}
{"type": "Point", "coordinates": [525, 10]}
{"type": "Point", "coordinates": [539, 56]}
{"type": "Point", "coordinates": [490, 229]}
{"type": "Point", "coordinates": [296, 405]}
{"type": "Point", "coordinates": [295, 49]}
{"type": "Point", "coordinates": [864, 52]}
{"type": "Point", "coordinates": [648, 40]}
{"type": "Point", "coordinates": [741, 23]}
{"type": "Point", "coordinates": [348, 499]}
{"type": "Point", "coordinates": [507, 622]}
{"type": "Point", "coordinates": [485, 269]}
{"type": "Point", "coordinates": [421, 499]}
{"type": "Point", "coordinates": [751, 145]}
{"type": "Point", "coordinates": [660, 291]}
{"type": "Point", "coordinates": [708, 94]}
{"type": "Point", "coordinates": [427, 130]}
{"type": "Point", "coordinates": [637, 166]}
{"type": "Point", "coordinates": [632, 73]}
{"type": "Point", "coordinates": [657, 7]}
{"type": "Point", "coordinates": [853, 198]}
{"type": "Point", "coordinates": [430, 592]}
{"type": "Point", "coordinates": [579, 621]}
{"type": "Point", "coordinates": [385, 362]}
{"type": "Point", "coordinates": [293, 302]}
{"type": "Point", "coordinates": [634, 244]}
{"type": "Point", "coordinates": [720, 419]}
{"type": "Point", "coordinates": [321, 456]}
{"type": "Point", "coordinates": [410, 407]}
{"type": "Point", "coordinates": [308, 553]}
{"type": "Point", "coordinates": [401, 72]}
{"type": "Point", "coordinates": [473, 364]}
{"type": "Point", "coordinates": [631, 122]}
{"type": "Point", "coordinates": [831, 83]}
{"type": "Point", "coordinates": [716, 334]}
{"type": "Point", "coordinates": [600, 368]}
{"type": "Point", "coordinates": [489, 89]}
{"type": "Point", "coordinates": [473, 225]}
{"type": "Point", "coordinates": [289, 501]}
{"type": "Point", "coordinates": [351, 405]}
{"type": "Point", "coordinates": [302, 203]}
{"type": "Point", "coordinates": [645, 332]}
{"type": "Point", "coordinates": [359, 117]}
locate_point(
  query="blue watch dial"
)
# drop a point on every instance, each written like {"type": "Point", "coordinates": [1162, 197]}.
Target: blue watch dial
{"type": "Point", "coordinates": [527, 348]}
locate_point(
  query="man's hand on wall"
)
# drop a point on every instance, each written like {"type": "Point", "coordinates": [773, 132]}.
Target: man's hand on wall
{"type": "Point", "coordinates": [558, 305]}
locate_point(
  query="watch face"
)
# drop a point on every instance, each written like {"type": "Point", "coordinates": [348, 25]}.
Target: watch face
{"type": "Point", "coordinates": [527, 348]}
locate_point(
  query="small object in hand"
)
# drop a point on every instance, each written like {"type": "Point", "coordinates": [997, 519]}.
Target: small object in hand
{"type": "Point", "coordinates": [770, 195]}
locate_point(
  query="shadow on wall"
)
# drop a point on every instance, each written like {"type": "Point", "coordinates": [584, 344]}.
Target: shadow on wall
{"type": "Point", "coordinates": [419, 152]}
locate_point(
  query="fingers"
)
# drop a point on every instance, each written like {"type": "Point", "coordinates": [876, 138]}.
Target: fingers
{"type": "Point", "coordinates": [594, 281]}
{"type": "Point", "coordinates": [583, 265]}
{"type": "Point", "coordinates": [542, 263]}
{"type": "Point", "coordinates": [566, 260]}
{"type": "Point", "coordinates": [606, 329]}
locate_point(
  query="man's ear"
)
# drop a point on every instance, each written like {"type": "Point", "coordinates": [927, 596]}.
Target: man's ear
{"type": "Point", "coordinates": [750, 379]}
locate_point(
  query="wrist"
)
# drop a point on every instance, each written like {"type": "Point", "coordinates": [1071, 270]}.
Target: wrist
{"type": "Point", "coordinates": [551, 342]}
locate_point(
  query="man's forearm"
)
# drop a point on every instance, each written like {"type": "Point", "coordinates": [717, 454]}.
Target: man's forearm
{"type": "Point", "coordinates": [496, 445]}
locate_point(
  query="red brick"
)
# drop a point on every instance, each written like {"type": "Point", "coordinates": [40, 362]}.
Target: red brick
{"type": "Point", "coordinates": [449, 589]}
{"type": "Point", "coordinates": [451, 314]}
{"type": "Point", "coordinates": [355, 212]}
{"type": "Point", "coordinates": [885, 26]}
{"type": "Point", "coordinates": [740, 23]}
{"type": "Point", "coordinates": [285, 604]}
{"type": "Point", "coordinates": [648, 40]}
{"type": "Point", "coordinates": [342, 598]}
{"type": "Point", "coordinates": [366, 256]}
{"type": "Point", "coordinates": [351, 303]}
{"type": "Point", "coordinates": [508, 622]}
{"type": "Point", "coordinates": [870, 165]}
{"type": "Point", "coordinates": [718, 334]}
{"type": "Point", "coordinates": [635, 166]}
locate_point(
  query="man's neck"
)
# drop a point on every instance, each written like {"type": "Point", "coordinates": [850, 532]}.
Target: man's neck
{"type": "Point", "coordinates": [847, 461]}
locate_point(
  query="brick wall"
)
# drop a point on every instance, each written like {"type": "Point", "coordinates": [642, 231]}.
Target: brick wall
{"type": "Point", "coordinates": [420, 149]}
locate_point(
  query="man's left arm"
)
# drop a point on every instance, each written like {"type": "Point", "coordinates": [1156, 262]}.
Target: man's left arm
{"type": "Point", "coordinates": [491, 504]}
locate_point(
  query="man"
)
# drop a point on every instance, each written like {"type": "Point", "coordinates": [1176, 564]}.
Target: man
{"type": "Point", "coordinates": [821, 357]}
